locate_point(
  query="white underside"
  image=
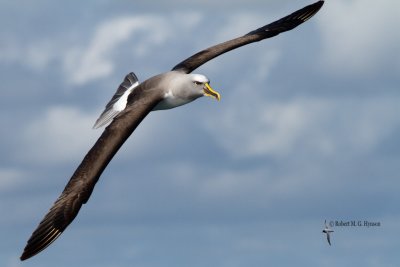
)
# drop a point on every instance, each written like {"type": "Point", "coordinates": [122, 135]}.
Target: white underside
{"type": "Point", "coordinates": [118, 106]}
{"type": "Point", "coordinates": [170, 101]}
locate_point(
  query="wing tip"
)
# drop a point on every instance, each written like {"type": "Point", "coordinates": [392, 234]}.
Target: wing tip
{"type": "Point", "coordinates": [308, 12]}
{"type": "Point", "coordinates": [24, 257]}
{"type": "Point", "coordinates": [318, 6]}
{"type": "Point", "coordinates": [27, 255]}
{"type": "Point", "coordinates": [33, 247]}
{"type": "Point", "coordinates": [133, 76]}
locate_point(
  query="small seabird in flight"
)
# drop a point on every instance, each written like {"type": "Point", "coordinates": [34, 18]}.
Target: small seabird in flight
{"type": "Point", "coordinates": [327, 231]}
{"type": "Point", "coordinates": [132, 102]}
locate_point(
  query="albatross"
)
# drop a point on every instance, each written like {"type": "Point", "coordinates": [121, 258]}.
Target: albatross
{"type": "Point", "coordinates": [132, 102]}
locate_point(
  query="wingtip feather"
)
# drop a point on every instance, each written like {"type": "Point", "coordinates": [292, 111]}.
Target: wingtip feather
{"type": "Point", "coordinates": [33, 248]}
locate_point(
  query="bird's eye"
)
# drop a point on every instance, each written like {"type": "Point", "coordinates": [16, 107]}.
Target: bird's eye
{"type": "Point", "coordinates": [197, 83]}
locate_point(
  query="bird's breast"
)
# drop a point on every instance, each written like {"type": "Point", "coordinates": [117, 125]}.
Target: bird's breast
{"type": "Point", "coordinates": [171, 101]}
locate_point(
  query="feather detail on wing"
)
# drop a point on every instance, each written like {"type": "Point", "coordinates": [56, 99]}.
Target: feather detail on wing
{"type": "Point", "coordinates": [118, 101]}
{"type": "Point", "coordinates": [282, 25]}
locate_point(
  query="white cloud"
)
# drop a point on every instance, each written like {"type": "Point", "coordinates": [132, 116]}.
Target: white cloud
{"type": "Point", "coordinates": [83, 62]}
{"type": "Point", "coordinates": [96, 60]}
{"type": "Point", "coordinates": [325, 126]}
{"type": "Point", "coordinates": [257, 188]}
{"type": "Point", "coordinates": [61, 134]}
{"type": "Point", "coordinates": [258, 128]}
{"type": "Point", "coordinates": [36, 55]}
{"type": "Point", "coordinates": [39, 55]}
{"type": "Point", "coordinates": [359, 37]}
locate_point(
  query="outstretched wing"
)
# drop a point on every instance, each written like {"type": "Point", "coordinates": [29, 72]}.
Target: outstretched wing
{"type": "Point", "coordinates": [118, 101]}
{"type": "Point", "coordinates": [284, 24]}
{"type": "Point", "coordinates": [80, 186]}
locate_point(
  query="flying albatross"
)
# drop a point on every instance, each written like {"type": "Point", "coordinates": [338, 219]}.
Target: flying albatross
{"type": "Point", "coordinates": [129, 106]}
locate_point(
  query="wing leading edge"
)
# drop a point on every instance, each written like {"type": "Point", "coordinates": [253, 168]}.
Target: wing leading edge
{"type": "Point", "coordinates": [282, 25]}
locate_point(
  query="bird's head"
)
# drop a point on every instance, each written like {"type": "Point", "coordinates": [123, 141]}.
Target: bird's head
{"type": "Point", "coordinates": [200, 84]}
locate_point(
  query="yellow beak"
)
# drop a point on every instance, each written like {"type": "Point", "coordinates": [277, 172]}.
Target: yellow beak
{"type": "Point", "coordinates": [208, 91]}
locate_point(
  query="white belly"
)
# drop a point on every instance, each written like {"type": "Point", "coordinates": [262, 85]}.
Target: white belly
{"type": "Point", "coordinates": [170, 101]}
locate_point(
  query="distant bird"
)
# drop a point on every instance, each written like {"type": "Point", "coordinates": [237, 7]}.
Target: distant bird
{"type": "Point", "coordinates": [128, 107]}
{"type": "Point", "coordinates": [327, 231]}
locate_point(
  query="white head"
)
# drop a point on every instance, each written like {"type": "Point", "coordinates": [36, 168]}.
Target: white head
{"type": "Point", "coordinates": [199, 86]}
{"type": "Point", "coordinates": [182, 88]}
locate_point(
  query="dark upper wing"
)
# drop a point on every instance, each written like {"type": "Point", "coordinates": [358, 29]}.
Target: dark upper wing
{"type": "Point", "coordinates": [284, 24]}
{"type": "Point", "coordinates": [80, 186]}
{"type": "Point", "coordinates": [111, 111]}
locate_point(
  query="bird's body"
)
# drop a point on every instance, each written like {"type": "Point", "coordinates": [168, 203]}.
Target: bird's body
{"type": "Point", "coordinates": [175, 92]}
{"type": "Point", "coordinates": [132, 102]}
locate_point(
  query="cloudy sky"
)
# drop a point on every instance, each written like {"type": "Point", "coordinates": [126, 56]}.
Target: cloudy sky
{"type": "Point", "coordinates": [307, 130]}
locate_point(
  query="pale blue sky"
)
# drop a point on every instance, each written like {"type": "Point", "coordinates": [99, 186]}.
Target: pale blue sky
{"type": "Point", "coordinates": [307, 130]}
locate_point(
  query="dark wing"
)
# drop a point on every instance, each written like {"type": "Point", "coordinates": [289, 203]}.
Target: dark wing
{"type": "Point", "coordinates": [284, 24]}
{"type": "Point", "coordinates": [80, 186]}
{"type": "Point", "coordinates": [111, 111]}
